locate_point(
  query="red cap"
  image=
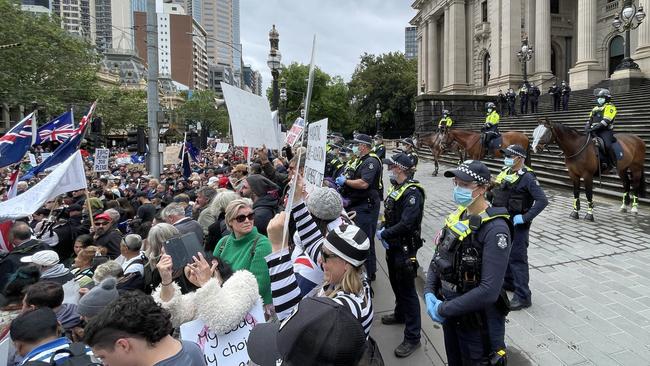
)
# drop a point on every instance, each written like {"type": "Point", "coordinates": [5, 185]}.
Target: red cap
{"type": "Point", "coordinates": [103, 216]}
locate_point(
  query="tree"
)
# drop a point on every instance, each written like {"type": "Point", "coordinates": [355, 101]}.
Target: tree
{"type": "Point", "coordinates": [389, 80]}
{"type": "Point", "coordinates": [200, 107]}
{"type": "Point", "coordinates": [121, 109]}
{"type": "Point", "coordinates": [51, 66]}
{"type": "Point", "coordinates": [329, 97]}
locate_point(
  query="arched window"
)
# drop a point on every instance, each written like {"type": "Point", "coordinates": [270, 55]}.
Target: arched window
{"type": "Point", "coordinates": [486, 69]}
{"type": "Point", "coordinates": [616, 52]}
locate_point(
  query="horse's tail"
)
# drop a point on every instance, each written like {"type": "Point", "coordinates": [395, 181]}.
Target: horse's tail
{"type": "Point", "coordinates": [528, 161]}
{"type": "Point", "coordinates": [642, 184]}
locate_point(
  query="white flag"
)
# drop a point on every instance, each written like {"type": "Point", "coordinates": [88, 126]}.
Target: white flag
{"type": "Point", "coordinates": [68, 176]}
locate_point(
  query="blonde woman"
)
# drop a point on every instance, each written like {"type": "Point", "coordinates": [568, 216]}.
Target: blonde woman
{"type": "Point", "coordinates": [218, 228]}
{"type": "Point", "coordinates": [158, 234]}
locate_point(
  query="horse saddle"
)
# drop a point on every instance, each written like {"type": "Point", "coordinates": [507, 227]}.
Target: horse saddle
{"type": "Point", "coordinates": [616, 147]}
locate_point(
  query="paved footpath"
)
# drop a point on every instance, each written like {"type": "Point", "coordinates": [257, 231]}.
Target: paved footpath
{"type": "Point", "coordinates": [590, 285]}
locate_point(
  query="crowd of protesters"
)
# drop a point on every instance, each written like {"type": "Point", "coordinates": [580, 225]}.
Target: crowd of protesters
{"type": "Point", "coordinates": [89, 272]}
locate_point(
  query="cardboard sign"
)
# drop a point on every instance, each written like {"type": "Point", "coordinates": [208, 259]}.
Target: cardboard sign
{"type": "Point", "coordinates": [222, 147]}
{"type": "Point", "coordinates": [294, 133]}
{"type": "Point", "coordinates": [229, 349]}
{"type": "Point", "coordinates": [250, 118]}
{"type": "Point", "coordinates": [316, 155]}
{"type": "Point", "coordinates": [101, 160]}
{"type": "Point", "coordinates": [170, 156]}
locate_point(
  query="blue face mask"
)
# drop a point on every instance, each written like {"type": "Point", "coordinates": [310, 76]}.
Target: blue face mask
{"type": "Point", "coordinates": [463, 196]}
{"type": "Point", "coordinates": [600, 101]}
{"type": "Point", "coordinates": [355, 150]}
{"type": "Point", "coordinates": [509, 162]}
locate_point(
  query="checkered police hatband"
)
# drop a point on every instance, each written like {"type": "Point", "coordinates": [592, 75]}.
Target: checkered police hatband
{"type": "Point", "coordinates": [465, 169]}
{"type": "Point", "coordinates": [393, 162]}
{"type": "Point", "coordinates": [515, 152]}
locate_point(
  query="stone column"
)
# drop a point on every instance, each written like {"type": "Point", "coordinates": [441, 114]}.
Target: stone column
{"type": "Point", "coordinates": [510, 44]}
{"type": "Point", "coordinates": [433, 80]}
{"type": "Point", "coordinates": [642, 53]}
{"type": "Point", "coordinates": [494, 16]}
{"type": "Point", "coordinates": [587, 71]}
{"type": "Point", "coordinates": [425, 54]}
{"type": "Point", "coordinates": [420, 63]}
{"type": "Point", "coordinates": [542, 44]}
{"type": "Point", "coordinates": [445, 49]}
{"type": "Point", "coordinates": [456, 47]}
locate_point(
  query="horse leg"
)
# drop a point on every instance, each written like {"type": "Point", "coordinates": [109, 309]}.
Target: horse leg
{"type": "Point", "coordinates": [589, 186]}
{"type": "Point", "coordinates": [435, 162]}
{"type": "Point", "coordinates": [637, 183]}
{"type": "Point", "coordinates": [626, 190]}
{"type": "Point", "coordinates": [576, 198]}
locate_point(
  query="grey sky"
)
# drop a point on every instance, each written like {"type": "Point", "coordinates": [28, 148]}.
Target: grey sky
{"type": "Point", "coordinates": [344, 30]}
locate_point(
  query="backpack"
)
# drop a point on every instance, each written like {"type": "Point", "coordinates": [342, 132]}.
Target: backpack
{"type": "Point", "coordinates": [77, 357]}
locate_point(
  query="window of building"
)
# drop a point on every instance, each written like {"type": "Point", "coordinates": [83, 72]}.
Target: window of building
{"type": "Point", "coordinates": [555, 6]}
{"type": "Point", "coordinates": [484, 11]}
{"type": "Point", "coordinates": [486, 69]}
{"type": "Point", "coordinates": [616, 53]}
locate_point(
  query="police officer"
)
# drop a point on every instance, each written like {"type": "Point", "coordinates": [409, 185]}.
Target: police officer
{"type": "Point", "coordinates": [523, 99]}
{"type": "Point", "coordinates": [533, 97]}
{"type": "Point", "coordinates": [445, 122]}
{"type": "Point", "coordinates": [501, 101]}
{"type": "Point", "coordinates": [565, 92]}
{"type": "Point", "coordinates": [491, 126]}
{"type": "Point", "coordinates": [378, 147]}
{"type": "Point", "coordinates": [463, 289]}
{"type": "Point", "coordinates": [364, 189]}
{"type": "Point", "coordinates": [400, 235]}
{"type": "Point", "coordinates": [601, 122]}
{"type": "Point", "coordinates": [333, 163]}
{"type": "Point", "coordinates": [518, 190]}
{"type": "Point", "coordinates": [510, 97]}
{"type": "Point", "coordinates": [409, 150]}
{"type": "Point", "coordinates": [554, 90]}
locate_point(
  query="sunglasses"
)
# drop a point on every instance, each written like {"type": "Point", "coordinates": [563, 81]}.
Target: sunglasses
{"type": "Point", "coordinates": [327, 256]}
{"type": "Point", "coordinates": [102, 223]}
{"type": "Point", "coordinates": [242, 218]}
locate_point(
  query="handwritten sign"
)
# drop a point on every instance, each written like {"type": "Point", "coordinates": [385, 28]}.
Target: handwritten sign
{"type": "Point", "coordinates": [170, 156]}
{"type": "Point", "coordinates": [101, 160]}
{"type": "Point", "coordinates": [315, 159]}
{"type": "Point", "coordinates": [222, 147]}
{"type": "Point", "coordinates": [294, 133]}
{"type": "Point", "coordinates": [229, 349]}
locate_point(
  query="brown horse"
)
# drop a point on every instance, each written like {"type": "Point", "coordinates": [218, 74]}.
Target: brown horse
{"type": "Point", "coordinates": [582, 161]}
{"type": "Point", "coordinates": [470, 141]}
{"type": "Point", "coordinates": [435, 142]}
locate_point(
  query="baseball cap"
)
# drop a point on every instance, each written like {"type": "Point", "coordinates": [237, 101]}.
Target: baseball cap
{"type": "Point", "coordinates": [402, 160]}
{"type": "Point", "coordinates": [103, 216]}
{"type": "Point", "coordinates": [319, 332]}
{"type": "Point", "coordinates": [43, 258]}
{"type": "Point", "coordinates": [470, 171]}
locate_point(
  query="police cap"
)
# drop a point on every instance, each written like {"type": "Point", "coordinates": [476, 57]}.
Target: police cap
{"type": "Point", "coordinates": [408, 141]}
{"type": "Point", "coordinates": [401, 160]}
{"type": "Point", "coordinates": [514, 150]}
{"type": "Point", "coordinates": [470, 171]}
{"type": "Point", "coordinates": [362, 138]}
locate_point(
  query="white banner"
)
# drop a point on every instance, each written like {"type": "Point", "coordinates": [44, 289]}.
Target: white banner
{"type": "Point", "coordinates": [229, 349]}
{"type": "Point", "coordinates": [68, 176]}
{"type": "Point", "coordinates": [250, 118]}
{"type": "Point", "coordinates": [222, 147]}
{"type": "Point", "coordinates": [101, 160]}
{"type": "Point", "coordinates": [316, 155]}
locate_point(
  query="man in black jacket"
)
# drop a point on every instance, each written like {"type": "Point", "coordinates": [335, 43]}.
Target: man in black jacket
{"type": "Point", "coordinates": [20, 235]}
{"type": "Point", "coordinates": [107, 235]}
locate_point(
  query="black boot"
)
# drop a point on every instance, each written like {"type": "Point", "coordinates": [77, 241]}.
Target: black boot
{"type": "Point", "coordinates": [390, 319]}
{"type": "Point", "coordinates": [518, 304]}
{"type": "Point", "coordinates": [405, 349]}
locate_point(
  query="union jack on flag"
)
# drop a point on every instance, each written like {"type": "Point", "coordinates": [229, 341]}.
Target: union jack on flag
{"type": "Point", "coordinates": [15, 143]}
{"type": "Point", "coordinates": [58, 129]}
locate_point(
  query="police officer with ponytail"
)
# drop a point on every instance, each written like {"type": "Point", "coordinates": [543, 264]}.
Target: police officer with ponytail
{"type": "Point", "coordinates": [463, 289]}
{"type": "Point", "coordinates": [400, 236]}
{"type": "Point", "coordinates": [517, 190]}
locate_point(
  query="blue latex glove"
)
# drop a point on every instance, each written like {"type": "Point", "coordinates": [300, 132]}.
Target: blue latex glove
{"type": "Point", "coordinates": [340, 180]}
{"type": "Point", "coordinates": [383, 242]}
{"type": "Point", "coordinates": [518, 220]}
{"type": "Point", "coordinates": [432, 307]}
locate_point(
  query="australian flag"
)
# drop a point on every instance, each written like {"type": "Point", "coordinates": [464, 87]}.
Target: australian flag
{"type": "Point", "coordinates": [59, 129]}
{"type": "Point", "coordinates": [191, 153]}
{"type": "Point", "coordinates": [15, 143]}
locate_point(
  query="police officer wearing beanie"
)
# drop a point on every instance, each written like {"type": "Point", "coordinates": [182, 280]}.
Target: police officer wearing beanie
{"type": "Point", "coordinates": [364, 189]}
{"type": "Point", "coordinates": [463, 289]}
{"type": "Point", "coordinates": [518, 190]}
{"type": "Point", "coordinates": [400, 236]}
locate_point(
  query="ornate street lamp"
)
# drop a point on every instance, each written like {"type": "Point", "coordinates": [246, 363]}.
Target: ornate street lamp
{"type": "Point", "coordinates": [283, 101]}
{"type": "Point", "coordinates": [524, 55]}
{"type": "Point", "coordinates": [629, 18]}
{"type": "Point", "coordinates": [274, 63]}
{"type": "Point", "coordinates": [377, 119]}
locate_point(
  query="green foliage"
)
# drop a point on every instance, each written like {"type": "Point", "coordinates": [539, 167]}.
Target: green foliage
{"type": "Point", "coordinates": [50, 66]}
{"type": "Point", "coordinates": [390, 81]}
{"type": "Point", "coordinates": [200, 107]}
{"type": "Point", "coordinates": [121, 109]}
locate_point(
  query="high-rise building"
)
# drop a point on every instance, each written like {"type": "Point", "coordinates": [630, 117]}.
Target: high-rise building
{"type": "Point", "coordinates": [410, 42]}
{"type": "Point", "coordinates": [75, 15]}
{"type": "Point", "coordinates": [252, 80]}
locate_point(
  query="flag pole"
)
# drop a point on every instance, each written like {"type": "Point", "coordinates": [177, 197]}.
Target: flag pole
{"type": "Point", "coordinates": [183, 149]}
{"type": "Point", "coordinates": [90, 209]}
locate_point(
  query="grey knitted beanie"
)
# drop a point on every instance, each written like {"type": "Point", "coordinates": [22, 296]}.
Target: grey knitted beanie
{"type": "Point", "coordinates": [96, 299]}
{"type": "Point", "coordinates": [325, 203]}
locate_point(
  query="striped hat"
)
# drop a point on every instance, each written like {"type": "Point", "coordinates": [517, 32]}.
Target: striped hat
{"type": "Point", "coordinates": [348, 242]}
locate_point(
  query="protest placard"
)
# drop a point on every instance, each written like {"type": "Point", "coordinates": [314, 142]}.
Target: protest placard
{"type": "Point", "coordinates": [32, 160]}
{"type": "Point", "coordinates": [222, 147]}
{"type": "Point", "coordinates": [101, 160]}
{"type": "Point", "coordinates": [229, 349]}
{"type": "Point", "coordinates": [250, 118]}
{"type": "Point", "coordinates": [315, 160]}
{"type": "Point", "coordinates": [294, 133]}
{"type": "Point", "coordinates": [170, 156]}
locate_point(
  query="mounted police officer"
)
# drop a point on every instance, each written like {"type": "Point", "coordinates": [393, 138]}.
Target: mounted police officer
{"type": "Point", "coordinates": [517, 189]}
{"type": "Point", "coordinates": [409, 150]}
{"type": "Point", "coordinates": [400, 235]}
{"type": "Point", "coordinates": [491, 126]}
{"type": "Point", "coordinates": [463, 289]}
{"type": "Point", "coordinates": [601, 123]}
{"type": "Point", "coordinates": [378, 147]}
{"type": "Point", "coordinates": [445, 122]}
{"type": "Point", "coordinates": [364, 189]}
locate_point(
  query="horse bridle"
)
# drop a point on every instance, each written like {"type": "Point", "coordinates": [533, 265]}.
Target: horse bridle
{"type": "Point", "coordinates": [587, 140]}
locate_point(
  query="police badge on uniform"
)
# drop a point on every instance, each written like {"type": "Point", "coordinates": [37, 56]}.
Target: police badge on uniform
{"type": "Point", "coordinates": [502, 241]}
{"type": "Point", "coordinates": [412, 200]}
{"type": "Point", "coordinates": [371, 166]}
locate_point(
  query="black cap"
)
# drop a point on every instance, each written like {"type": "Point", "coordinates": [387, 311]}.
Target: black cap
{"type": "Point", "coordinates": [379, 137]}
{"type": "Point", "coordinates": [319, 332]}
{"type": "Point", "coordinates": [408, 141]}
{"type": "Point", "coordinates": [74, 207]}
{"type": "Point", "coordinates": [470, 171]}
{"type": "Point", "coordinates": [514, 150]}
{"type": "Point", "coordinates": [402, 160]}
{"type": "Point", "coordinates": [362, 138]}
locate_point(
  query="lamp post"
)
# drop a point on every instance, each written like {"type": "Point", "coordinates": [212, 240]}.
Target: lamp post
{"type": "Point", "coordinates": [283, 101]}
{"type": "Point", "coordinates": [274, 64]}
{"type": "Point", "coordinates": [524, 55]}
{"type": "Point", "coordinates": [377, 120]}
{"type": "Point", "coordinates": [629, 18]}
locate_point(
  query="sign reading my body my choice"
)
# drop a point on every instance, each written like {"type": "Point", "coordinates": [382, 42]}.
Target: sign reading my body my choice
{"type": "Point", "coordinates": [229, 349]}
{"type": "Point", "coordinates": [316, 155]}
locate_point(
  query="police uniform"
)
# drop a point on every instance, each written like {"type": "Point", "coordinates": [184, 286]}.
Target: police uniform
{"type": "Point", "coordinates": [379, 149]}
{"type": "Point", "coordinates": [554, 90]}
{"type": "Point", "coordinates": [445, 122]}
{"type": "Point", "coordinates": [412, 154]}
{"type": "Point", "coordinates": [491, 126]}
{"type": "Point", "coordinates": [333, 164]}
{"type": "Point", "coordinates": [565, 92]}
{"type": "Point", "coordinates": [403, 211]}
{"type": "Point", "coordinates": [602, 124]}
{"type": "Point", "coordinates": [520, 193]}
{"type": "Point", "coordinates": [523, 99]}
{"type": "Point", "coordinates": [466, 276]}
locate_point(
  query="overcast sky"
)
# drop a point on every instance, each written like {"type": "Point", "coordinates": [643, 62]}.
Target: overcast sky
{"type": "Point", "coordinates": [344, 30]}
